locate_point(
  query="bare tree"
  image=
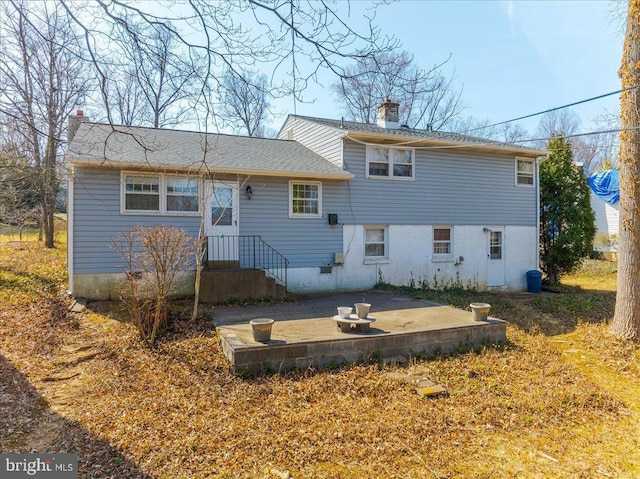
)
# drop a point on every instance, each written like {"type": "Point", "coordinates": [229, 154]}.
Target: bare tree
{"type": "Point", "coordinates": [147, 77]}
{"type": "Point", "coordinates": [125, 96]}
{"type": "Point", "coordinates": [19, 203]}
{"type": "Point", "coordinates": [285, 35]}
{"type": "Point", "coordinates": [506, 132]}
{"type": "Point", "coordinates": [427, 98]}
{"type": "Point", "coordinates": [598, 151]}
{"type": "Point", "coordinates": [626, 320]}
{"type": "Point", "coordinates": [42, 78]}
{"type": "Point", "coordinates": [245, 103]}
{"type": "Point", "coordinates": [565, 120]}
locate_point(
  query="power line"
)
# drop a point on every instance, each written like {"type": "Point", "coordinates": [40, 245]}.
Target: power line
{"type": "Point", "coordinates": [589, 133]}
{"type": "Point", "coordinates": [557, 108]}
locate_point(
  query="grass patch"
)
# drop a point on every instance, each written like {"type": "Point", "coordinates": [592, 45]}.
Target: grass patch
{"type": "Point", "coordinates": [179, 411]}
{"type": "Point", "coordinates": [12, 234]}
{"type": "Point", "coordinates": [594, 275]}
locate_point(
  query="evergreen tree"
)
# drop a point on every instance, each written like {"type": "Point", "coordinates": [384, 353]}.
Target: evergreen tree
{"type": "Point", "coordinates": [567, 223]}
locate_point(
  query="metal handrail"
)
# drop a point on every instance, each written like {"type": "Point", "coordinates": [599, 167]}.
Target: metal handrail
{"type": "Point", "coordinates": [247, 252]}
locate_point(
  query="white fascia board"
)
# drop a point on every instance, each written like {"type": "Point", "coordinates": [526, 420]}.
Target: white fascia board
{"type": "Point", "coordinates": [234, 171]}
{"type": "Point", "coordinates": [410, 141]}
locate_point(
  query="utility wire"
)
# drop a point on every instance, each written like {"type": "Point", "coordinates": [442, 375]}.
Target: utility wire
{"type": "Point", "coordinates": [557, 108]}
{"type": "Point", "coordinates": [599, 132]}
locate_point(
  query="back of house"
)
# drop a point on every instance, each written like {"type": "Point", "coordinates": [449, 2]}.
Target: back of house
{"type": "Point", "coordinates": [327, 206]}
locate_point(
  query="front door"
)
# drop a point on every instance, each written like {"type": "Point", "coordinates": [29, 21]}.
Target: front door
{"type": "Point", "coordinates": [221, 219]}
{"type": "Point", "coordinates": [495, 257]}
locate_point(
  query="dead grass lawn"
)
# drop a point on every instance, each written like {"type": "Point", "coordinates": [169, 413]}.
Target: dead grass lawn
{"type": "Point", "coordinates": [86, 384]}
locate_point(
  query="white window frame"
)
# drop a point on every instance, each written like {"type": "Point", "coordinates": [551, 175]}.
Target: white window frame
{"type": "Point", "coordinates": [162, 186]}
{"type": "Point", "coordinates": [375, 259]}
{"type": "Point", "coordinates": [390, 175]}
{"type": "Point", "coordinates": [305, 215]}
{"type": "Point", "coordinates": [441, 257]}
{"type": "Point", "coordinates": [520, 174]}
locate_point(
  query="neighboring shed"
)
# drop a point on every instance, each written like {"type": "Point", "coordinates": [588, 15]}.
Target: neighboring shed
{"type": "Point", "coordinates": [605, 202]}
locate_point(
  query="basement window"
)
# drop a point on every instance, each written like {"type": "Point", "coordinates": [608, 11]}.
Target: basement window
{"type": "Point", "coordinates": [376, 243]}
{"type": "Point", "coordinates": [442, 241]}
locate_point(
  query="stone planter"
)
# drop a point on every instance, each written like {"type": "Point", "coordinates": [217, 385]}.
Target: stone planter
{"type": "Point", "coordinates": [362, 310]}
{"type": "Point", "coordinates": [344, 312]}
{"type": "Point", "coordinates": [480, 311]}
{"type": "Point", "coordinates": [261, 329]}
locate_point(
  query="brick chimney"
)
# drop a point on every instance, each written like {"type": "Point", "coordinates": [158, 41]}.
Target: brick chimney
{"type": "Point", "coordinates": [74, 124]}
{"type": "Point", "coordinates": [388, 115]}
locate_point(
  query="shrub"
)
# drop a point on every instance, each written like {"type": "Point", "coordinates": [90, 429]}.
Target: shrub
{"type": "Point", "coordinates": [156, 256]}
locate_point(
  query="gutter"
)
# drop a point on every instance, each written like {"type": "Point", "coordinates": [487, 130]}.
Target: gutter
{"type": "Point", "coordinates": [343, 175]}
{"type": "Point", "coordinates": [444, 145]}
{"type": "Point", "coordinates": [537, 162]}
{"type": "Point", "coordinates": [70, 200]}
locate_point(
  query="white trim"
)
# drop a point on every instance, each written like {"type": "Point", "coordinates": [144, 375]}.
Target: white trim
{"type": "Point", "coordinates": [305, 215]}
{"type": "Point", "coordinates": [70, 211]}
{"type": "Point", "coordinates": [162, 194]}
{"type": "Point", "coordinates": [343, 175]}
{"type": "Point", "coordinates": [390, 175]}
{"type": "Point", "coordinates": [432, 143]}
{"type": "Point", "coordinates": [375, 259]}
{"type": "Point", "coordinates": [533, 174]}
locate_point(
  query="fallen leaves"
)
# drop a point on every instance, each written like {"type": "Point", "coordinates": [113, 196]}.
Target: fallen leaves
{"type": "Point", "coordinates": [179, 411]}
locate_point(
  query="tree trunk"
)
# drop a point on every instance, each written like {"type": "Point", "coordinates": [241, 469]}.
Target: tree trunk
{"type": "Point", "coordinates": [626, 321]}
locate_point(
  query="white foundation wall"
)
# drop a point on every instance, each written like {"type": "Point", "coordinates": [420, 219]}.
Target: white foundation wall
{"type": "Point", "coordinates": [411, 260]}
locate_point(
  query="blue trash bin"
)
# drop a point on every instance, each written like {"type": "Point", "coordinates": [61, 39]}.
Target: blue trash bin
{"type": "Point", "coordinates": [534, 281]}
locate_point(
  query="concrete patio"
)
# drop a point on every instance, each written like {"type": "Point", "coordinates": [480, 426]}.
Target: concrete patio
{"type": "Point", "coordinates": [304, 333]}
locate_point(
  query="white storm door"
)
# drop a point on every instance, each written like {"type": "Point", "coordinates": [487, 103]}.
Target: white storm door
{"type": "Point", "coordinates": [221, 217]}
{"type": "Point", "coordinates": [495, 257]}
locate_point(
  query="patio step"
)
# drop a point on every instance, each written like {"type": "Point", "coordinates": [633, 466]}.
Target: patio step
{"type": "Point", "coordinates": [221, 286]}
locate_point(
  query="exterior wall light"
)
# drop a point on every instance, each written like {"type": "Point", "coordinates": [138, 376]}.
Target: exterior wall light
{"type": "Point", "coordinates": [249, 191]}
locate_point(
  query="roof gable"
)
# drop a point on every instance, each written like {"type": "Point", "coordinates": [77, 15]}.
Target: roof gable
{"type": "Point", "coordinates": [419, 138]}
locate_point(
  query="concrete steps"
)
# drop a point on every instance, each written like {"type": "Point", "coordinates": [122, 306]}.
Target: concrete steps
{"type": "Point", "coordinates": [224, 285]}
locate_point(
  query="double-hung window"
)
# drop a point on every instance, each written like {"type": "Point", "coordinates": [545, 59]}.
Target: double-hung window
{"type": "Point", "coordinates": [376, 243]}
{"type": "Point", "coordinates": [442, 241]}
{"type": "Point", "coordinates": [182, 194]}
{"type": "Point", "coordinates": [525, 170]}
{"type": "Point", "coordinates": [159, 193]}
{"type": "Point", "coordinates": [305, 199]}
{"type": "Point", "coordinates": [390, 162]}
{"type": "Point", "coordinates": [141, 193]}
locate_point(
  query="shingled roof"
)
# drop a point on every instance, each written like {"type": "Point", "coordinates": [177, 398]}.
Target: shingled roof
{"type": "Point", "coordinates": [96, 144]}
{"type": "Point", "coordinates": [357, 129]}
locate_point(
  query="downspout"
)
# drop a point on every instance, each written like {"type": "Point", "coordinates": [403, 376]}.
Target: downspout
{"type": "Point", "coordinates": [537, 213]}
{"type": "Point", "coordinates": [70, 200]}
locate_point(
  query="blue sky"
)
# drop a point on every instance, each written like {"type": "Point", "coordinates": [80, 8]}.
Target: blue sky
{"type": "Point", "coordinates": [511, 58]}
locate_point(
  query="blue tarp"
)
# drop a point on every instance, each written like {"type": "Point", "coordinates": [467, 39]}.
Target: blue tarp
{"type": "Point", "coordinates": [606, 185]}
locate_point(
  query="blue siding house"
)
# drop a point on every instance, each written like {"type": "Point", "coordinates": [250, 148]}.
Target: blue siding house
{"type": "Point", "coordinates": [343, 204]}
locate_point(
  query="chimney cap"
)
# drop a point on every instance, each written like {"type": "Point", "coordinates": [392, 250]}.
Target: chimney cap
{"type": "Point", "coordinates": [79, 112]}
